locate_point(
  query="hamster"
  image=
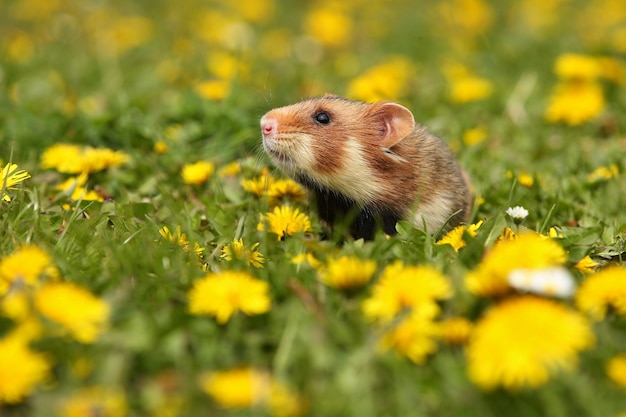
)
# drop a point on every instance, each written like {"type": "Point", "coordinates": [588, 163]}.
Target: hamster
{"type": "Point", "coordinates": [369, 164]}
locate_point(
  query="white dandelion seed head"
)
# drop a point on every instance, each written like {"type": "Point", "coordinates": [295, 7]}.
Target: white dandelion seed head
{"type": "Point", "coordinates": [517, 212]}
{"type": "Point", "coordinates": [553, 281]}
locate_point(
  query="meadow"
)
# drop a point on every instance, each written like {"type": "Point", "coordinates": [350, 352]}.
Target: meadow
{"type": "Point", "coordinates": [154, 263]}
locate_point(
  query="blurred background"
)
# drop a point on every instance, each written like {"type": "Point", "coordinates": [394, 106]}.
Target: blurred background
{"type": "Point", "coordinates": [120, 72]}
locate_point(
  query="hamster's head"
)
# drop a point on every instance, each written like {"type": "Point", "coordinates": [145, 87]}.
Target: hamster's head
{"type": "Point", "coordinates": [334, 142]}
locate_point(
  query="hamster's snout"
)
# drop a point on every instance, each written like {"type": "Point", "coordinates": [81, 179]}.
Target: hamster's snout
{"type": "Point", "coordinates": [269, 127]}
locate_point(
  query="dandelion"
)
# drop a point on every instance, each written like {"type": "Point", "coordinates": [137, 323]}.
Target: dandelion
{"type": "Point", "coordinates": [603, 290]}
{"type": "Point", "coordinates": [475, 136]}
{"type": "Point", "coordinates": [414, 337]}
{"type": "Point", "coordinates": [616, 370]}
{"type": "Point", "coordinates": [21, 370]}
{"type": "Point", "coordinates": [26, 266]}
{"type": "Point", "coordinates": [179, 238]}
{"type": "Point", "coordinates": [238, 250]}
{"type": "Point", "coordinates": [197, 173]}
{"type": "Point", "coordinates": [466, 87]}
{"type": "Point", "coordinates": [230, 170]}
{"type": "Point", "coordinates": [554, 233]}
{"type": "Point", "coordinates": [215, 90]}
{"type": "Point", "coordinates": [455, 330]}
{"type": "Point", "coordinates": [77, 189]}
{"type": "Point", "coordinates": [96, 400]}
{"type": "Point", "coordinates": [454, 237]}
{"type": "Point", "coordinates": [522, 341]}
{"type": "Point", "coordinates": [236, 388]}
{"type": "Point", "coordinates": [223, 294]}
{"type": "Point", "coordinates": [577, 67]}
{"type": "Point", "coordinates": [525, 179]}
{"type": "Point", "coordinates": [285, 221]}
{"type": "Point", "coordinates": [586, 265]}
{"type": "Point", "coordinates": [575, 103]}
{"type": "Point", "coordinates": [10, 176]}
{"type": "Point", "coordinates": [305, 258]}
{"type": "Point", "coordinates": [601, 174]}
{"type": "Point", "coordinates": [553, 281]}
{"type": "Point", "coordinates": [160, 147]}
{"type": "Point", "coordinates": [247, 387]}
{"type": "Point", "coordinates": [517, 213]}
{"type": "Point", "coordinates": [527, 251]}
{"type": "Point", "coordinates": [285, 190]}
{"type": "Point", "coordinates": [74, 159]}
{"type": "Point", "coordinates": [405, 287]}
{"type": "Point", "coordinates": [258, 186]}
{"type": "Point", "coordinates": [82, 314]}
{"type": "Point", "coordinates": [330, 27]}
{"type": "Point", "coordinates": [347, 272]}
{"type": "Point", "coordinates": [385, 81]}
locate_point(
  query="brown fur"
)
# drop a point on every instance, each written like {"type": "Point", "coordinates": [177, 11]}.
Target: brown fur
{"type": "Point", "coordinates": [373, 154]}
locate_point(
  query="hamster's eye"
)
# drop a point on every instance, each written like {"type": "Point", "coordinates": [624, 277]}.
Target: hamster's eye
{"type": "Point", "coordinates": [322, 118]}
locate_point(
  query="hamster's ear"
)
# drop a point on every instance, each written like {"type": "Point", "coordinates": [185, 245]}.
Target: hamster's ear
{"type": "Point", "coordinates": [330, 95]}
{"type": "Point", "coordinates": [398, 122]}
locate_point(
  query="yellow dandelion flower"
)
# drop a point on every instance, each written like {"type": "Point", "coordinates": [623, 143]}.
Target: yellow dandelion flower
{"type": "Point", "coordinates": [525, 179]}
{"type": "Point", "coordinates": [347, 272]}
{"type": "Point", "coordinates": [236, 388]}
{"type": "Point", "coordinates": [466, 87]}
{"type": "Point", "coordinates": [230, 170]}
{"type": "Point", "coordinates": [507, 234]}
{"type": "Point", "coordinates": [197, 173]}
{"type": "Point", "coordinates": [223, 294]}
{"type": "Point", "coordinates": [26, 265]}
{"type": "Point", "coordinates": [10, 176]}
{"type": "Point", "coordinates": [247, 387]}
{"type": "Point", "coordinates": [475, 136]}
{"type": "Point", "coordinates": [414, 337]}
{"type": "Point", "coordinates": [554, 233]}
{"type": "Point", "coordinates": [161, 147]}
{"type": "Point", "coordinates": [331, 27]}
{"type": "Point", "coordinates": [283, 191]}
{"type": "Point", "coordinates": [613, 69]}
{"type": "Point", "coordinates": [386, 81]}
{"type": "Point", "coordinates": [522, 341]}
{"type": "Point", "coordinates": [454, 237]}
{"type": "Point", "coordinates": [179, 238]}
{"type": "Point", "coordinates": [616, 370]}
{"type": "Point", "coordinates": [575, 103]}
{"type": "Point", "coordinates": [306, 258]}
{"type": "Point", "coordinates": [285, 221]}
{"type": "Point", "coordinates": [586, 265]}
{"type": "Point", "coordinates": [576, 66]}
{"type": "Point", "coordinates": [78, 192]}
{"type": "Point", "coordinates": [238, 250]}
{"type": "Point", "coordinates": [82, 314]}
{"type": "Point", "coordinates": [603, 174]}
{"type": "Point", "coordinates": [21, 370]}
{"type": "Point", "coordinates": [74, 159]}
{"type": "Point", "coordinates": [215, 90]}
{"type": "Point", "coordinates": [258, 186]}
{"type": "Point", "coordinates": [283, 402]}
{"type": "Point", "coordinates": [404, 287]}
{"type": "Point", "coordinates": [455, 330]}
{"type": "Point", "coordinates": [527, 252]}
{"type": "Point", "coordinates": [603, 290]}
{"type": "Point", "coordinates": [95, 400]}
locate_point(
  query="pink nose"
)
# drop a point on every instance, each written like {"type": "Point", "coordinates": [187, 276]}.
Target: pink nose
{"type": "Point", "coordinates": [268, 127]}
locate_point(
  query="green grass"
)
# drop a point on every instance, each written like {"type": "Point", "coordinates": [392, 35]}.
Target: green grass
{"type": "Point", "coordinates": [315, 338]}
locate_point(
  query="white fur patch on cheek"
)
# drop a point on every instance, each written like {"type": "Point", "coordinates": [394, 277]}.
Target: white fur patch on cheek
{"type": "Point", "coordinates": [434, 213]}
{"type": "Point", "coordinates": [355, 179]}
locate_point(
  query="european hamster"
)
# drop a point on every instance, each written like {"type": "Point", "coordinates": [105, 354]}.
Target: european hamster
{"type": "Point", "coordinates": [369, 164]}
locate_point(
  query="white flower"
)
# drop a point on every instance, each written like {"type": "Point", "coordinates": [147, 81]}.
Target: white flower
{"type": "Point", "coordinates": [554, 281]}
{"type": "Point", "coordinates": [517, 212]}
